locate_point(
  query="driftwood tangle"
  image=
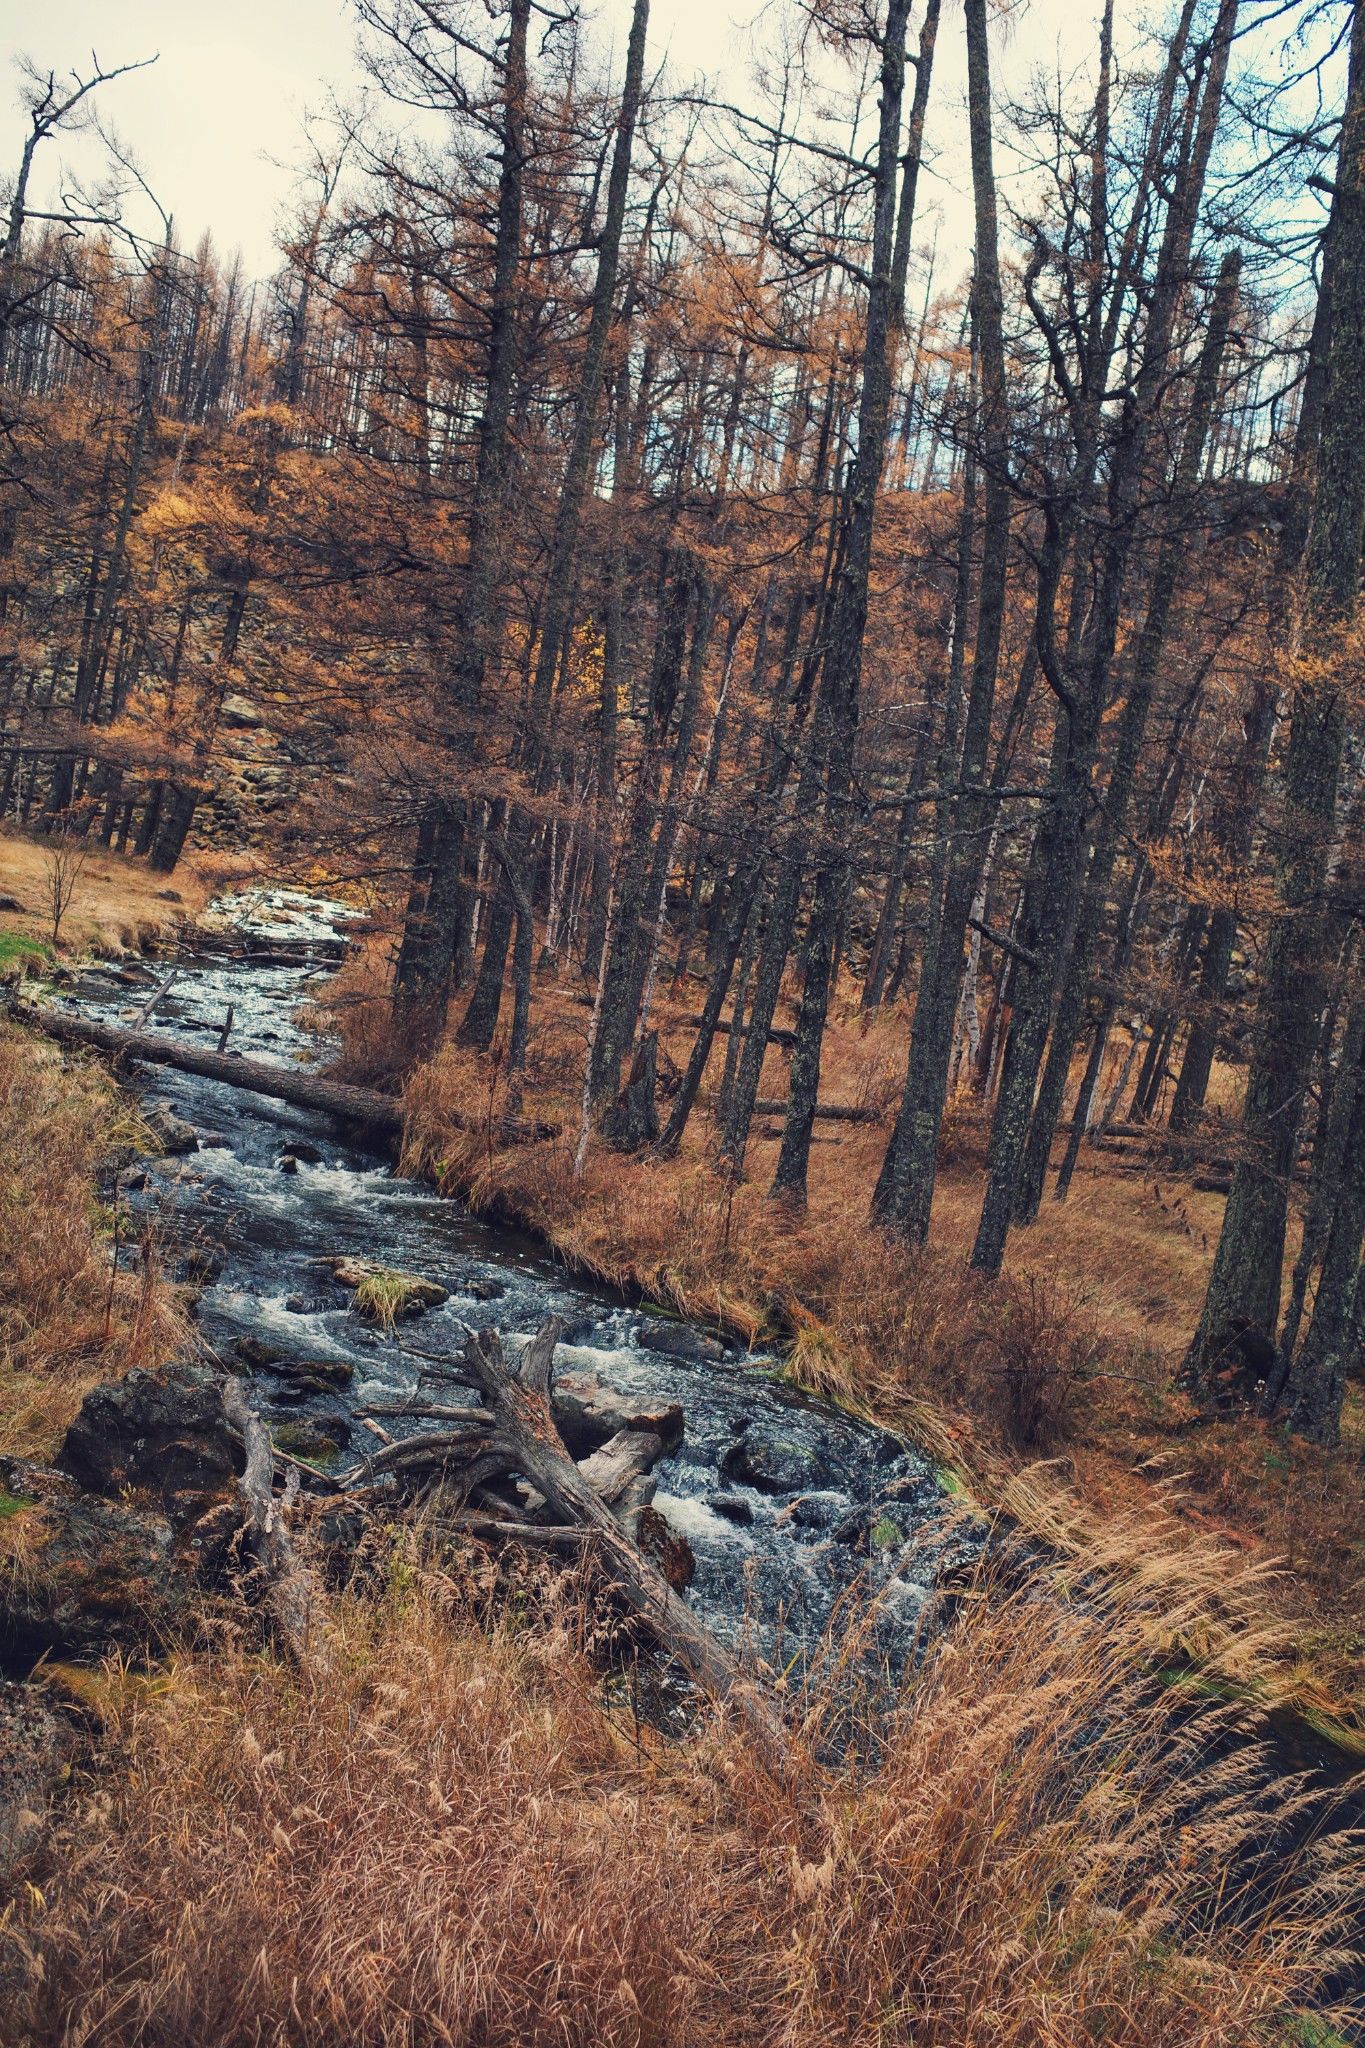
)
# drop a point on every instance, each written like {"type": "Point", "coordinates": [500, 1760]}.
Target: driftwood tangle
{"type": "Point", "coordinates": [514, 1434]}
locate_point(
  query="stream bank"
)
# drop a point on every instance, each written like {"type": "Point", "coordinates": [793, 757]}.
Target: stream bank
{"type": "Point", "coordinates": [790, 1508]}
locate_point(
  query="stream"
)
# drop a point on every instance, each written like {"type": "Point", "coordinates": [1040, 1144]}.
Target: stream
{"type": "Point", "coordinates": [789, 1507]}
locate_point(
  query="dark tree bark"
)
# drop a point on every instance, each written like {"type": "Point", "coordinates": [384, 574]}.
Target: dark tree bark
{"type": "Point", "coordinates": [905, 1189]}
{"type": "Point", "coordinates": [1246, 1278]}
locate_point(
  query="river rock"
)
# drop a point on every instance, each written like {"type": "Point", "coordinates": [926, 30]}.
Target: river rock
{"type": "Point", "coordinates": [164, 1434]}
{"type": "Point", "coordinates": [483, 1290]}
{"type": "Point", "coordinates": [35, 1749]}
{"type": "Point", "coordinates": [96, 1575]}
{"type": "Point", "coordinates": [299, 1148]}
{"type": "Point", "coordinates": [589, 1413]}
{"type": "Point", "coordinates": [171, 1132]}
{"type": "Point", "coordinates": [406, 1294]}
{"type": "Point", "coordinates": [679, 1340]}
{"type": "Point", "coordinates": [773, 1462]}
{"type": "Point", "coordinates": [288, 1163]}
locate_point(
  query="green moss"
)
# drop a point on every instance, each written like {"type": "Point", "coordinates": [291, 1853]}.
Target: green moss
{"type": "Point", "coordinates": [302, 1441]}
{"type": "Point", "coordinates": [12, 1504]}
{"type": "Point", "coordinates": [19, 954]}
{"type": "Point", "coordinates": [885, 1534]}
{"type": "Point", "coordinates": [1307, 2032]}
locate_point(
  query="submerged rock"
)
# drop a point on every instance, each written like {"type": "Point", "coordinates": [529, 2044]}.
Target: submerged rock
{"type": "Point", "coordinates": [767, 1458]}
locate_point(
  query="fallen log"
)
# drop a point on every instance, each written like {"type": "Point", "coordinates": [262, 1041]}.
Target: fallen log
{"type": "Point", "coordinates": [523, 1441]}
{"type": "Point", "coordinates": [778, 1034]}
{"type": "Point", "coordinates": [381, 1115]}
{"type": "Point", "coordinates": [294, 1600]}
{"type": "Point", "coordinates": [825, 1112]}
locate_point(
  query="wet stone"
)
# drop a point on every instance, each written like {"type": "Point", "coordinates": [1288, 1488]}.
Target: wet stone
{"type": "Point", "coordinates": [733, 1507]}
{"type": "Point", "coordinates": [172, 1133]}
{"type": "Point", "coordinates": [301, 1149]}
{"type": "Point", "coordinates": [483, 1290]}
{"type": "Point", "coordinates": [774, 1462]}
{"type": "Point", "coordinates": [314, 1375]}
{"type": "Point", "coordinates": [255, 1352]}
{"type": "Point", "coordinates": [679, 1340]}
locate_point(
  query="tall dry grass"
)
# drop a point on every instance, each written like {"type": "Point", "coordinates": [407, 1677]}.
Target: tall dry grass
{"type": "Point", "coordinates": [453, 1840]}
{"type": "Point", "coordinates": [66, 1320]}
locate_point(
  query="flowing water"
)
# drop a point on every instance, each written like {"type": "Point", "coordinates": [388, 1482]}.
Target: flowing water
{"type": "Point", "coordinates": [789, 1506]}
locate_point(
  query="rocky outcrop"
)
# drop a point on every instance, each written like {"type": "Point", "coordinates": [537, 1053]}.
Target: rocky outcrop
{"type": "Point", "coordinates": [80, 1575]}
{"type": "Point", "coordinates": [162, 1434]}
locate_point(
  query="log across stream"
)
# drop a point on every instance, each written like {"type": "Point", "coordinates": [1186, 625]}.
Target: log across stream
{"type": "Point", "coordinates": [786, 1506]}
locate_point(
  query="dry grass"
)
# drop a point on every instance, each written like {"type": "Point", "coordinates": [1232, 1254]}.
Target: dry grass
{"type": "Point", "coordinates": [65, 1322]}
{"type": "Point", "coordinates": [453, 1841]}
{"type": "Point", "coordinates": [118, 905]}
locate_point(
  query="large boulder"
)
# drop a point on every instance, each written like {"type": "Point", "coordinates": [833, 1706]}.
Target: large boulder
{"type": "Point", "coordinates": [158, 1433]}
{"type": "Point", "coordinates": [589, 1413]}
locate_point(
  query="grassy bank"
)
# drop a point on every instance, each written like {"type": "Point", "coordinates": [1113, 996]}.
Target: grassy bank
{"type": "Point", "coordinates": [456, 1840]}
{"type": "Point", "coordinates": [67, 1321]}
{"type": "Point", "coordinates": [114, 904]}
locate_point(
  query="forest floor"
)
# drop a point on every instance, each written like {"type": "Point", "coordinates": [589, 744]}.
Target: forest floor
{"type": "Point", "coordinates": [257, 1828]}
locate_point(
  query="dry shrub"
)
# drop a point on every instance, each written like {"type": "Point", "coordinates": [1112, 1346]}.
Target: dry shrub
{"type": "Point", "coordinates": [964, 1134]}
{"type": "Point", "coordinates": [452, 1840]}
{"type": "Point", "coordinates": [1036, 1346]}
{"type": "Point", "coordinates": [66, 1322]}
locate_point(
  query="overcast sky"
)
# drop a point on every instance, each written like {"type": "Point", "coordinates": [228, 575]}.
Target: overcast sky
{"type": "Point", "coordinates": [216, 121]}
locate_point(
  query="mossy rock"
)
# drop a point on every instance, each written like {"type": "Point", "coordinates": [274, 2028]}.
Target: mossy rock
{"type": "Point", "coordinates": [385, 1296]}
